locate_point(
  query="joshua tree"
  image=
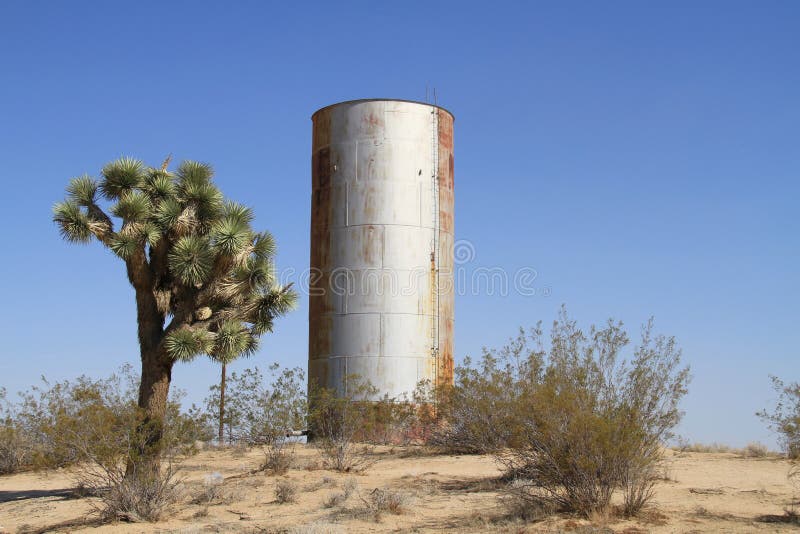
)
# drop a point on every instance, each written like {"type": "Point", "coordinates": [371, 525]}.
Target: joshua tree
{"type": "Point", "coordinates": [203, 278]}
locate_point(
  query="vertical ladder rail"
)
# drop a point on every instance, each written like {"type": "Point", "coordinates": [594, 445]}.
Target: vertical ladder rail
{"type": "Point", "coordinates": [435, 240]}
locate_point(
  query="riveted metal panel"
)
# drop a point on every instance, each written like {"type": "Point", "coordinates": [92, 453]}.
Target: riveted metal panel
{"type": "Point", "coordinates": [402, 247]}
{"type": "Point", "coordinates": [356, 247]}
{"type": "Point", "coordinates": [383, 202]}
{"type": "Point", "coordinates": [381, 302]}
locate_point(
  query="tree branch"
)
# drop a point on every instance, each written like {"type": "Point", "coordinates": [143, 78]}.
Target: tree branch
{"type": "Point", "coordinates": [103, 227]}
{"type": "Point", "coordinates": [159, 268]}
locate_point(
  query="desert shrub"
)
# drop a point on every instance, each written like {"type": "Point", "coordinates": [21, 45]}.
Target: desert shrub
{"type": "Point", "coordinates": [277, 460]}
{"type": "Point", "coordinates": [15, 449]}
{"type": "Point", "coordinates": [111, 449]}
{"type": "Point", "coordinates": [134, 496]}
{"type": "Point", "coordinates": [703, 447]}
{"type": "Point", "coordinates": [520, 502]}
{"type": "Point", "coordinates": [337, 499]}
{"type": "Point", "coordinates": [403, 420]}
{"type": "Point", "coordinates": [274, 414]}
{"type": "Point", "coordinates": [477, 411]}
{"type": "Point", "coordinates": [186, 429]}
{"type": "Point", "coordinates": [337, 419]}
{"type": "Point", "coordinates": [50, 421]}
{"type": "Point", "coordinates": [591, 422]}
{"type": "Point", "coordinates": [95, 423]}
{"type": "Point", "coordinates": [785, 416]}
{"type": "Point", "coordinates": [38, 429]}
{"type": "Point", "coordinates": [374, 504]}
{"type": "Point", "coordinates": [380, 501]}
{"type": "Point", "coordinates": [285, 491]}
{"type": "Point", "coordinates": [388, 421]}
{"type": "Point", "coordinates": [755, 450]}
{"type": "Point", "coordinates": [211, 490]}
{"type": "Point", "coordinates": [264, 414]}
{"type": "Point", "coordinates": [576, 420]}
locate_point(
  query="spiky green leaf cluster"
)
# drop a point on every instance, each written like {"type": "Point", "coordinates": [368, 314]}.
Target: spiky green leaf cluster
{"type": "Point", "coordinates": [196, 251]}
{"type": "Point", "coordinates": [82, 190]}
{"type": "Point", "coordinates": [185, 343]}
{"type": "Point", "coordinates": [191, 259]}
{"type": "Point", "coordinates": [121, 176]}
{"type": "Point", "coordinates": [73, 222]}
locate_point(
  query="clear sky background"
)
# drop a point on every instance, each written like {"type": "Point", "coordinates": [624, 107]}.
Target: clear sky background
{"type": "Point", "coordinates": [642, 157]}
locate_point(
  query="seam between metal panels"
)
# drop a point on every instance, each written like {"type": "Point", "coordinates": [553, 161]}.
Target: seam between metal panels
{"type": "Point", "coordinates": [389, 224]}
{"type": "Point", "coordinates": [334, 314]}
{"type": "Point", "coordinates": [346, 356]}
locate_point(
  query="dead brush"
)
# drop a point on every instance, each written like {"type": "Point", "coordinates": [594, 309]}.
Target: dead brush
{"type": "Point", "coordinates": [755, 450]}
{"type": "Point", "coordinates": [324, 482]}
{"type": "Point", "coordinates": [338, 499]}
{"type": "Point", "coordinates": [381, 501]}
{"type": "Point", "coordinates": [139, 498]}
{"type": "Point", "coordinates": [211, 491]}
{"type": "Point", "coordinates": [520, 502]}
{"type": "Point", "coordinates": [374, 505]}
{"type": "Point", "coordinates": [208, 495]}
{"type": "Point", "coordinates": [277, 461]}
{"type": "Point", "coordinates": [214, 492]}
{"type": "Point", "coordinates": [285, 492]}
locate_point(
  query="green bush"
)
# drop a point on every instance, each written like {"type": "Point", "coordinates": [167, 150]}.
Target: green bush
{"type": "Point", "coordinates": [785, 416]}
{"type": "Point", "coordinates": [336, 421]}
{"type": "Point", "coordinates": [569, 418]}
{"type": "Point", "coordinates": [85, 420]}
{"type": "Point", "coordinates": [96, 424]}
{"type": "Point", "coordinates": [404, 420]}
{"type": "Point", "coordinates": [476, 414]}
{"type": "Point", "coordinates": [15, 448]}
{"type": "Point", "coordinates": [264, 413]}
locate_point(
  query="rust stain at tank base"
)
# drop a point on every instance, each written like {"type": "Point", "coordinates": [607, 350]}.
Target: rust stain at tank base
{"type": "Point", "coordinates": [381, 292]}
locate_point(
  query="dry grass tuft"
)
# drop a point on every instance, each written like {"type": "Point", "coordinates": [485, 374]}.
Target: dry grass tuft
{"type": "Point", "coordinates": [755, 450]}
{"type": "Point", "coordinates": [710, 448]}
{"type": "Point", "coordinates": [382, 501]}
{"type": "Point", "coordinates": [519, 503]}
{"type": "Point", "coordinates": [277, 462]}
{"type": "Point", "coordinates": [338, 499]}
{"type": "Point", "coordinates": [285, 492]}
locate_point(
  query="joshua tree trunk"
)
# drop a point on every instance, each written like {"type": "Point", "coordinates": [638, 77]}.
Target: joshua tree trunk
{"type": "Point", "coordinates": [155, 379]}
{"type": "Point", "coordinates": [153, 396]}
{"type": "Point", "coordinates": [222, 406]}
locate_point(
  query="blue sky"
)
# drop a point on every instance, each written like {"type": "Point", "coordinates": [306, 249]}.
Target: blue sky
{"type": "Point", "coordinates": [641, 156]}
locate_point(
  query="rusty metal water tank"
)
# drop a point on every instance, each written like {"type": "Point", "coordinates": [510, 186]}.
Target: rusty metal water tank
{"type": "Point", "coordinates": [381, 292]}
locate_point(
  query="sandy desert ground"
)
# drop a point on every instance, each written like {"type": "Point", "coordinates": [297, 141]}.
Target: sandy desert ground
{"type": "Point", "coordinates": [701, 492]}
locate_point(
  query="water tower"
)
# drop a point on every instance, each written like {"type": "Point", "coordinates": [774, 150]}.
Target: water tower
{"type": "Point", "coordinates": [381, 292]}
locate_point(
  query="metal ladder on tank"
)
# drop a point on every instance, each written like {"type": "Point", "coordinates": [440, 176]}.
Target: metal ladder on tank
{"type": "Point", "coordinates": [435, 240]}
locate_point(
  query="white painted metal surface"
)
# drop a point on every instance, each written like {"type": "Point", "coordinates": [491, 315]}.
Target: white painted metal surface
{"type": "Point", "coordinates": [381, 305]}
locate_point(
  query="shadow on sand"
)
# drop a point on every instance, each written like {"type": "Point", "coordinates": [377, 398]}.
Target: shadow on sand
{"type": "Point", "coordinates": [22, 495]}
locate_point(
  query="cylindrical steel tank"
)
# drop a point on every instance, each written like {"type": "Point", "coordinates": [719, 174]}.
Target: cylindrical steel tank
{"type": "Point", "coordinates": [381, 293]}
